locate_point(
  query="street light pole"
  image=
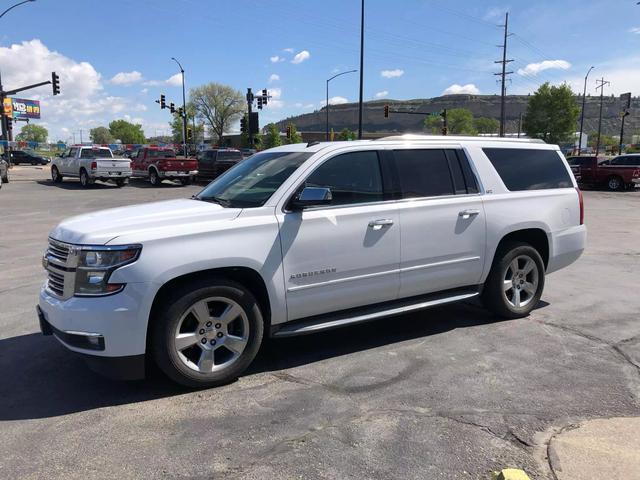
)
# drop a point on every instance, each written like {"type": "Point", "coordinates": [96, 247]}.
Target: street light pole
{"type": "Point", "coordinates": [361, 70]}
{"type": "Point", "coordinates": [584, 94]}
{"type": "Point", "coordinates": [184, 110]}
{"type": "Point", "coordinates": [327, 104]}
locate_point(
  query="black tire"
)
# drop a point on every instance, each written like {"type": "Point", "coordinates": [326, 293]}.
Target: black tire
{"type": "Point", "coordinates": [185, 181]}
{"type": "Point", "coordinates": [84, 178]}
{"type": "Point", "coordinates": [55, 175]}
{"type": "Point", "coordinates": [120, 182]}
{"type": "Point", "coordinates": [154, 179]}
{"type": "Point", "coordinates": [494, 296]}
{"type": "Point", "coordinates": [5, 179]}
{"type": "Point", "coordinates": [163, 329]}
{"type": "Point", "coordinates": [615, 183]}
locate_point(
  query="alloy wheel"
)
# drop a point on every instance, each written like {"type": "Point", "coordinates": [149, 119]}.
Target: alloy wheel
{"type": "Point", "coordinates": [212, 334]}
{"type": "Point", "coordinates": [520, 282]}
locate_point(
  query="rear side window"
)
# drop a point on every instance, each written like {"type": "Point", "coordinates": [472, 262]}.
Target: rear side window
{"type": "Point", "coordinates": [529, 169]}
{"type": "Point", "coordinates": [423, 173]}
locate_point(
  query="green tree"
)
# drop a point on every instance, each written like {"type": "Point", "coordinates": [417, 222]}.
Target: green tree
{"type": "Point", "coordinates": [486, 125]}
{"type": "Point", "coordinates": [552, 113]}
{"type": "Point", "coordinates": [459, 122]}
{"type": "Point", "coordinates": [218, 105]}
{"type": "Point", "coordinates": [101, 135]}
{"type": "Point", "coordinates": [272, 138]}
{"type": "Point", "coordinates": [33, 133]}
{"type": "Point", "coordinates": [126, 132]}
{"type": "Point", "coordinates": [295, 137]}
{"type": "Point", "coordinates": [346, 134]}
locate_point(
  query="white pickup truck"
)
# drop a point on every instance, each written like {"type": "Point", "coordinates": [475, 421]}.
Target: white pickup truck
{"type": "Point", "coordinates": [90, 163]}
{"type": "Point", "coordinates": [303, 238]}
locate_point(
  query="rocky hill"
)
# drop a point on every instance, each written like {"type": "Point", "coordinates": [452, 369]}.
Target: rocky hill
{"type": "Point", "coordinates": [346, 115]}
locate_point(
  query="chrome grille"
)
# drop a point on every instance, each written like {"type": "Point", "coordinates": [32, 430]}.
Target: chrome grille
{"type": "Point", "coordinates": [58, 250]}
{"type": "Point", "coordinates": [55, 283]}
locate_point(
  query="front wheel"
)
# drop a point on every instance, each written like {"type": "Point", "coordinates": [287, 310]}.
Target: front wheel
{"type": "Point", "coordinates": [207, 333]}
{"type": "Point", "coordinates": [516, 280]}
{"type": "Point", "coordinates": [84, 178]}
{"type": "Point", "coordinates": [55, 175]}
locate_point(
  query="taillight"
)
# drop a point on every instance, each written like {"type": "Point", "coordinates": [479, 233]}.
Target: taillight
{"type": "Point", "coordinates": [94, 165]}
{"type": "Point", "coordinates": [581, 201]}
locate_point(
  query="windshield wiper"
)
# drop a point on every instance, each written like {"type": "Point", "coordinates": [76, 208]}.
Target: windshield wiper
{"type": "Point", "coordinates": [220, 201]}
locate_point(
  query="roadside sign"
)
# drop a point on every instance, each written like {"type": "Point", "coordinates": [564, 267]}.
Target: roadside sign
{"type": "Point", "coordinates": [21, 108]}
{"type": "Point", "coordinates": [626, 100]}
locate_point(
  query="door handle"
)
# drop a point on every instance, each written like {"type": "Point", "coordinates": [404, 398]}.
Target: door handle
{"type": "Point", "coordinates": [468, 213]}
{"type": "Point", "coordinates": [381, 223]}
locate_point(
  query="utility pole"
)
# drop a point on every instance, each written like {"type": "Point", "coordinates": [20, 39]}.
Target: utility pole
{"type": "Point", "coordinates": [361, 70]}
{"type": "Point", "coordinates": [80, 136]}
{"type": "Point", "coordinates": [625, 97]}
{"type": "Point", "coordinates": [584, 95]}
{"type": "Point", "coordinates": [504, 72]}
{"type": "Point", "coordinates": [519, 124]}
{"type": "Point", "coordinates": [184, 110]}
{"type": "Point", "coordinates": [600, 85]}
{"type": "Point", "coordinates": [249, 108]}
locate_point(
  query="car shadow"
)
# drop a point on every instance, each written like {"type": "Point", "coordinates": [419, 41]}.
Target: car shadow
{"type": "Point", "coordinates": [75, 185]}
{"type": "Point", "coordinates": [41, 379]}
{"type": "Point", "coordinates": [142, 183]}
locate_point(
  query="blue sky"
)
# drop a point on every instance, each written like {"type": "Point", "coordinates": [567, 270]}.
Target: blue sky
{"type": "Point", "coordinates": [114, 57]}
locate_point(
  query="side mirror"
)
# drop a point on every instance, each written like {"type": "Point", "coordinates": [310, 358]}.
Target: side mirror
{"type": "Point", "coordinates": [311, 196]}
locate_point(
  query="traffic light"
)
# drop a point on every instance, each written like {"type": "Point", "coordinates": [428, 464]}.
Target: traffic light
{"type": "Point", "coordinates": [260, 103]}
{"type": "Point", "coordinates": [243, 124]}
{"type": "Point", "coordinates": [179, 112]}
{"type": "Point", "coordinates": [444, 131]}
{"type": "Point", "coordinates": [55, 83]}
{"type": "Point", "coordinates": [386, 111]}
{"type": "Point", "coordinates": [265, 96]}
{"type": "Point", "coordinates": [163, 103]}
{"type": "Point", "coordinates": [189, 134]}
{"type": "Point", "coordinates": [289, 132]}
{"type": "Point", "coordinates": [172, 108]}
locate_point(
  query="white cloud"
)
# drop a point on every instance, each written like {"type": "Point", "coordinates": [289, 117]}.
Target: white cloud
{"type": "Point", "coordinates": [335, 101]}
{"type": "Point", "coordinates": [276, 59]}
{"type": "Point", "coordinates": [392, 73]}
{"type": "Point", "coordinates": [274, 77]}
{"type": "Point", "coordinates": [274, 100]}
{"type": "Point", "coordinates": [535, 68]}
{"type": "Point", "coordinates": [635, 30]}
{"type": "Point", "coordinates": [126, 78]}
{"type": "Point", "coordinates": [495, 13]}
{"type": "Point", "coordinates": [382, 94]}
{"type": "Point", "coordinates": [288, 50]}
{"type": "Point", "coordinates": [174, 80]}
{"type": "Point", "coordinates": [301, 57]}
{"type": "Point", "coordinates": [456, 89]}
{"type": "Point", "coordinates": [304, 106]}
{"type": "Point", "coordinates": [144, 91]}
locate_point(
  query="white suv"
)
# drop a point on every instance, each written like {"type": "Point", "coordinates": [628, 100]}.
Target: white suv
{"type": "Point", "coordinates": [303, 238]}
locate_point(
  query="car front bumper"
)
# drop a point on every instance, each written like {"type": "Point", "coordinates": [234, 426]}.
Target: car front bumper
{"type": "Point", "coordinates": [636, 181]}
{"type": "Point", "coordinates": [108, 331]}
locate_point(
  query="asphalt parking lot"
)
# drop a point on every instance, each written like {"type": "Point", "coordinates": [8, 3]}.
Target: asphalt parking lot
{"type": "Point", "coordinates": [446, 393]}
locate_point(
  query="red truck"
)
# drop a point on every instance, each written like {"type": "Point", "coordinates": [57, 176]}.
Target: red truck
{"type": "Point", "coordinates": [594, 171]}
{"type": "Point", "coordinates": [159, 163]}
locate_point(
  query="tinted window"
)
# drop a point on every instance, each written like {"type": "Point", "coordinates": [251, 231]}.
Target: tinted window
{"type": "Point", "coordinates": [626, 160]}
{"type": "Point", "coordinates": [456, 172]}
{"type": "Point", "coordinates": [528, 169]}
{"type": "Point", "coordinates": [160, 153]}
{"type": "Point", "coordinates": [352, 177]}
{"type": "Point", "coordinates": [423, 173]}
{"type": "Point", "coordinates": [95, 153]}
{"type": "Point", "coordinates": [578, 161]}
{"type": "Point", "coordinates": [72, 152]}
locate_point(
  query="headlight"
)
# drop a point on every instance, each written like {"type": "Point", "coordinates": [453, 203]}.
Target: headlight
{"type": "Point", "coordinates": [95, 266]}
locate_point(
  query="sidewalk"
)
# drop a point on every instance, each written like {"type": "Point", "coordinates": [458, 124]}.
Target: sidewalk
{"type": "Point", "coordinates": [597, 449]}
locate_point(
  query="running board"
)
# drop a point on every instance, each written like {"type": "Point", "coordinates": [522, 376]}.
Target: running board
{"type": "Point", "coordinates": [366, 314]}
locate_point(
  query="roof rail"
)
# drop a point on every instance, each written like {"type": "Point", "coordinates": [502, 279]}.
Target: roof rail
{"type": "Point", "coordinates": [440, 138]}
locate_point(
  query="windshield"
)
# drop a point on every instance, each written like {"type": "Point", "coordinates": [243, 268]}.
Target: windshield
{"type": "Point", "coordinates": [250, 183]}
{"type": "Point", "coordinates": [95, 153]}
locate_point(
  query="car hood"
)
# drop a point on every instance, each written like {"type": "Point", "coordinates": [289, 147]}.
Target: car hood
{"type": "Point", "coordinates": [137, 223]}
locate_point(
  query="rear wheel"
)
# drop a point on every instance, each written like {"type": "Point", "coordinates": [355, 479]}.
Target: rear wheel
{"type": "Point", "coordinates": [55, 175]}
{"type": "Point", "coordinates": [185, 181]}
{"type": "Point", "coordinates": [614, 183]}
{"type": "Point", "coordinates": [154, 179]}
{"type": "Point", "coordinates": [120, 182]}
{"type": "Point", "coordinates": [207, 333]}
{"type": "Point", "coordinates": [516, 280]}
{"type": "Point", "coordinates": [84, 178]}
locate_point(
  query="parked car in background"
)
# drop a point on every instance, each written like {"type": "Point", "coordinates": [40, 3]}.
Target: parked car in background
{"type": "Point", "coordinates": [25, 156]}
{"type": "Point", "coordinates": [628, 160]}
{"type": "Point", "coordinates": [598, 172]}
{"type": "Point", "coordinates": [304, 238]}
{"type": "Point", "coordinates": [4, 171]}
{"type": "Point", "coordinates": [157, 164]}
{"type": "Point", "coordinates": [90, 163]}
{"type": "Point", "coordinates": [214, 161]}
{"type": "Point", "coordinates": [247, 152]}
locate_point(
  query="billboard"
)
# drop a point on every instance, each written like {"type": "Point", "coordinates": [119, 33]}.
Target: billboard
{"type": "Point", "coordinates": [21, 108]}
